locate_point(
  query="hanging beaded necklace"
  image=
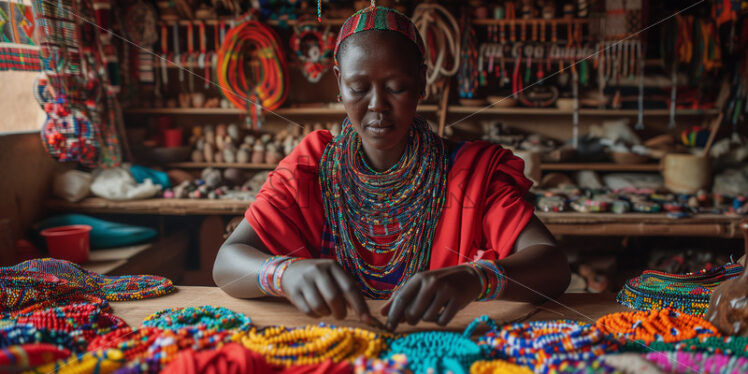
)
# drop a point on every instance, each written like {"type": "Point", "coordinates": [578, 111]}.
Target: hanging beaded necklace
{"type": "Point", "coordinates": [666, 325]}
{"type": "Point", "coordinates": [312, 344]}
{"type": "Point", "coordinates": [393, 212]}
{"type": "Point", "coordinates": [688, 293]}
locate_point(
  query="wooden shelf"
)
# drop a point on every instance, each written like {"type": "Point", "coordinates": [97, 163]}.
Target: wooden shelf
{"type": "Point", "coordinates": [599, 224]}
{"type": "Point", "coordinates": [539, 21]}
{"type": "Point", "coordinates": [599, 166]}
{"type": "Point", "coordinates": [588, 112]}
{"type": "Point", "coordinates": [312, 110]}
{"type": "Point", "coordinates": [227, 21]}
{"type": "Point", "coordinates": [201, 165]}
{"type": "Point", "coordinates": [174, 207]}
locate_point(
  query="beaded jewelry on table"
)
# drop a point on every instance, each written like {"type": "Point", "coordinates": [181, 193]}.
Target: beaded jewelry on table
{"type": "Point", "coordinates": [206, 317]}
{"type": "Point", "coordinates": [665, 325]}
{"type": "Point", "coordinates": [440, 351]}
{"type": "Point", "coordinates": [688, 293]}
{"type": "Point", "coordinates": [544, 345]}
{"type": "Point", "coordinates": [690, 362]}
{"type": "Point", "coordinates": [729, 345]}
{"type": "Point", "coordinates": [312, 344]}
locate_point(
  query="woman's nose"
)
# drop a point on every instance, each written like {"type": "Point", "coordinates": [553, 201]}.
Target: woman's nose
{"type": "Point", "coordinates": [378, 101]}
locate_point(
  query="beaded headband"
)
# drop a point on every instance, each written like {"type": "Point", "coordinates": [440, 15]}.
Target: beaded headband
{"type": "Point", "coordinates": [383, 19]}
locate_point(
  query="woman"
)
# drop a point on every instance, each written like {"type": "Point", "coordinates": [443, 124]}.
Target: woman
{"type": "Point", "coordinates": [387, 209]}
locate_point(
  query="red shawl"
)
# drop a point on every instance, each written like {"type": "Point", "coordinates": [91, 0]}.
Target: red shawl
{"type": "Point", "coordinates": [482, 217]}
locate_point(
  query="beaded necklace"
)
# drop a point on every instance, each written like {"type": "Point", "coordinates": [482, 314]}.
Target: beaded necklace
{"type": "Point", "coordinates": [497, 367]}
{"type": "Point", "coordinates": [730, 345]}
{"type": "Point", "coordinates": [440, 351]}
{"type": "Point", "coordinates": [206, 317]}
{"type": "Point", "coordinates": [688, 293]}
{"type": "Point", "coordinates": [396, 364]}
{"type": "Point", "coordinates": [392, 212]}
{"type": "Point", "coordinates": [106, 361]}
{"type": "Point", "coordinates": [542, 345]}
{"type": "Point", "coordinates": [689, 362]}
{"type": "Point", "coordinates": [311, 345]}
{"type": "Point", "coordinates": [666, 325]}
{"type": "Point", "coordinates": [113, 288]}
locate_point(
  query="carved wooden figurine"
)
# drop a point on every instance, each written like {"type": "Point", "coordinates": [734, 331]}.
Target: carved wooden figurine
{"type": "Point", "coordinates": [728, 306]}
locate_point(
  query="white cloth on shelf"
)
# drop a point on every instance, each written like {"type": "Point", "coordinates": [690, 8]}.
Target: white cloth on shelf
{"type": "Point", "coordinates": [118, 184]}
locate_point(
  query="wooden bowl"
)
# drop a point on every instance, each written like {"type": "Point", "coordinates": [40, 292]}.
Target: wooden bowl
{"type": "Point", "coordinates": [628, 158]}
{"type": "Point", "coordinates": [501, 101]}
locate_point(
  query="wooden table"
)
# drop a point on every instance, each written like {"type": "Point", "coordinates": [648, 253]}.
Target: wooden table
{"type": "Point", "coordinates": [263, 312]}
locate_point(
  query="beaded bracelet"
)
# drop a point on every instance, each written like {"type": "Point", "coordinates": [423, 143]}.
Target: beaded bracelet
{"type": "Point", "coordinates": [440, 351]}
{"type": "Point", "coordinates": [312, 344]}
{"type": "Point", "coordinates": [270, 274]}
{"type": "Point", "coordinates": [664, 325]}
{"type": "Point", "coordinates": [206, 317]}
{"type": "Point", "coordinates": [492, 279]}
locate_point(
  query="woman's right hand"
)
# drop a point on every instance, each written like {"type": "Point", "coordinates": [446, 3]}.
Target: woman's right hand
{"type": "Point", "coordinates": [320, 287]}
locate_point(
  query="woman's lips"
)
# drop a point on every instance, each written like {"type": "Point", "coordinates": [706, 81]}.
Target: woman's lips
{"type": "Point", "coordinates": [379, 129]}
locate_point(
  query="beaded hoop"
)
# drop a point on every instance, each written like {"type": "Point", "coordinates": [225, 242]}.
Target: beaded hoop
{"type": "Point", "coordinates": [312, 344]}
{"type": "Point", "coordinates": [206, 317]}
{"type": "Point", "coordinates": [440, 351]}
{"type": "Point", "coordinates": [318, 57]}
{"type": "Point", "coordinates": [666, 325]}
{"type": "Point", "coordinates": [688, 293]}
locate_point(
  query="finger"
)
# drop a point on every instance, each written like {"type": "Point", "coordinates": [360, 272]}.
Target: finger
{"type": "Point", "coordinates": [432, 313]}
{"type": "Point", "coordinates": [332, 294]}
{"type": "Point", "coordinates": [423, 300]}
{"type": "Point", "coordinates": [400, 300]}
{"type": "Point", "coordinates": [449, 312]}
{"type": "Point", "coordinates": [297, 298]}
{"type": "Point", "coordinates": [351, 293]}
{"type": "Point", "coordinates": [386, 307]}
{"type": "Point", "coordinates": [315, 301]}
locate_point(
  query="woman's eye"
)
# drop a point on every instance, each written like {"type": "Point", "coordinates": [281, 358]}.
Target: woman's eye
{"type": "Point", "coordinates": [396, 90]}
{"type": "Point", "coordinates": [358, 90]}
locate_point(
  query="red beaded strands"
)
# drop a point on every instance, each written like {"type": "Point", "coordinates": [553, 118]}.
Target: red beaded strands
{"type": "Point", "coordinates": [664, 325]}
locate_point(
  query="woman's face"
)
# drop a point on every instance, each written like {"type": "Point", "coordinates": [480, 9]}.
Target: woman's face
{"type": "Point", "coordinates": [380, 78]}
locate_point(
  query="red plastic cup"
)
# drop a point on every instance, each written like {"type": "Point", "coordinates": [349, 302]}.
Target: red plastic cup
{"type": "Point", "coordinates": [172, 138]}
{"type": "Point", "coordinates": [68, 242]}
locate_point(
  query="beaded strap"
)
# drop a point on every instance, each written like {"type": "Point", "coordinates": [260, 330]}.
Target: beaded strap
{"type": "Point", "coordinates": [492, 279]}
{"type": "Point", "coordinates": [271, 272]}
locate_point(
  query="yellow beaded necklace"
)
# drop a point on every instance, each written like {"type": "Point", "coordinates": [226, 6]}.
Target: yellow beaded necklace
{"type": "Point", "coordinates": [498, 367]}
{"type": "Point", "coordinates": [102, 362]}
{"type": "Point", "coordinates": [311, 344]}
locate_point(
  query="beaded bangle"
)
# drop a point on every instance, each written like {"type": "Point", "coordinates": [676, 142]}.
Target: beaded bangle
{"type": "Point", "coordinates": [205, 317]}
{"type": "Point", "coordinates": [270, 274]}
{"type": "Point", "coordinates": [492, 278]}
{"type": "Point", "coordinates": [496, 367]}
{"type": "Point", "coordinates": [312, 344]}
{"type": "Point", "coordinates": [664, 325]}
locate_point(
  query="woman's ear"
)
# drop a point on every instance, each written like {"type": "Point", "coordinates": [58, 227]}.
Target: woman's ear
{"type": "Point", "coordinates": [336, 69]}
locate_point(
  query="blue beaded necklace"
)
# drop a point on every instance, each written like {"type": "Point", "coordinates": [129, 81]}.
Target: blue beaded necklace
{"type": "Point", "coordinates": [392, 212]}
{"type": "Point", "coordinates": [440, 351]}
{"type": "Point", "coordinates": [206, 317]}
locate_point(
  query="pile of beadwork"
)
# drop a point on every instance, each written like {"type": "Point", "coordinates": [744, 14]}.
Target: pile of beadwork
{"type": "Point", "coordinates": [729, 345]}
{"type": "Point", "coordinates": [703, 363]}
{"type": "Point", "coordinates": [688, 293]}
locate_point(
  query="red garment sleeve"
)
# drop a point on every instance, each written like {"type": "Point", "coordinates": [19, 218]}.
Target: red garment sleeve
{"type": "Point", "coordinates": [288, 214]}
{"type": "Point", "coordinates": [507, 211]}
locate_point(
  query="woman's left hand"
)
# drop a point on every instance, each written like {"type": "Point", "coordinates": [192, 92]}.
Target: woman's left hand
{"type": "Point", "coordinates": [432, 296]}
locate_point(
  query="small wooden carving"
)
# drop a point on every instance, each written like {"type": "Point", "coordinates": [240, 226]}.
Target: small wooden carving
{"type": "Point", "coordinates": [728, 306]}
